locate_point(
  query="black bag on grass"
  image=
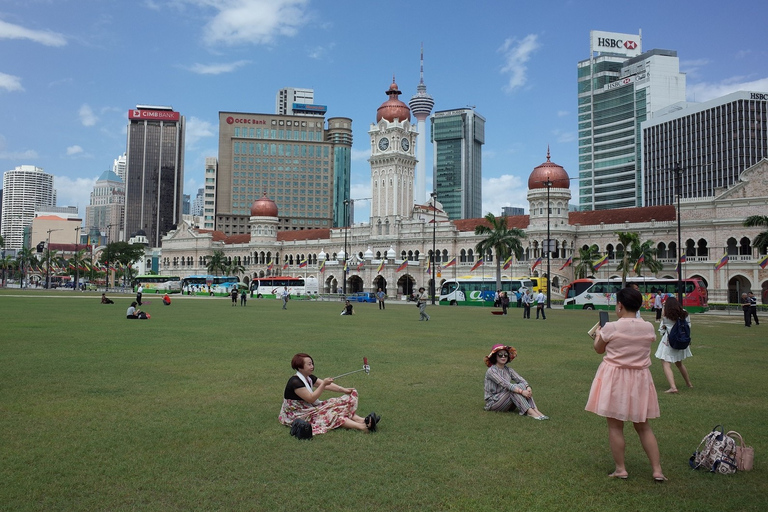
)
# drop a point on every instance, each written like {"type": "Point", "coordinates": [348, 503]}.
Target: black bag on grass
{"type": "Point", "coordinates": [301, 429]}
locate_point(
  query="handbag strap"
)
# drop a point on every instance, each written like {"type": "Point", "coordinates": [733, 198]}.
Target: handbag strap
{"type": "Point", "coordinates": [734, 434]}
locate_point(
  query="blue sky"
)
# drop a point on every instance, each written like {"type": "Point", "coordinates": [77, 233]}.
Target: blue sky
{"type": "Point", "coordinates": [71, 69]}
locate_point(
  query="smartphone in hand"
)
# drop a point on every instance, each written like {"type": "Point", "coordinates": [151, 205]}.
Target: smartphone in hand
{"type": "Point", "coordinates": [603, 318]}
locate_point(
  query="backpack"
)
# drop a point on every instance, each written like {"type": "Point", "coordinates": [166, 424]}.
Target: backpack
{"type": "Point", "coordinates": [680, 336]}
{"type": "Point", "coordinates": [302, 429]}
{"type": "Point", "coordinates": [718, 454]}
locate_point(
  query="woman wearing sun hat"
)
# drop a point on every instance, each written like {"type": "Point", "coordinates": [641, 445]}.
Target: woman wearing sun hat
{"type": "Point", "coordinates": [505, 389]}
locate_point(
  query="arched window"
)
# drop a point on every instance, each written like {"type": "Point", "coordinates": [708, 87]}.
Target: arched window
{"type": "Point", "coordinates": [702, 249]}
{"type": "Point", "coordinates": [661, 251]}
{"type": "Point", "coordinates": [403, 255]}
{"type": "Point", "coordinates": [745, 248]}
{"type": "Point", "coordinates": [416, 256]}
{"type": "Point", "coordinates": [410, 255]}
{"type": "Point", "coordinates": [609, 250]}
{"type": "Point", "coordinates": [690, 247]}
{"type": "Point", "coordinates": [672, 250]}
{"type": "Point", "coordinates": [445, 255]}
{"type": "Point", "coordinates": [732, 248]}
{"type": "Point", "coordinates": [463, 256]}
{"type": "Point", "coordinates": [470, 256]}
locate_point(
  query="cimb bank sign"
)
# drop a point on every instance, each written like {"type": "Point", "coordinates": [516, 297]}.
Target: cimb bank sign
{"type": "Point", "coordinates": [629, 45]}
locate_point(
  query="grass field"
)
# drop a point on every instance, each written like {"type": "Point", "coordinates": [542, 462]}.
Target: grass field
{"type": "Point", "coordinates": [180, 412]}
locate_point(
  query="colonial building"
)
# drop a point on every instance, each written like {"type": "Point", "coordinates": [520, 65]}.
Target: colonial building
{"type": "Point", "coordinates": [709, 228]}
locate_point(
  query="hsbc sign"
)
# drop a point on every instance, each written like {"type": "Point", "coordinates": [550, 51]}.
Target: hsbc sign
{"type": "Point", "coordinates": [613, 42]}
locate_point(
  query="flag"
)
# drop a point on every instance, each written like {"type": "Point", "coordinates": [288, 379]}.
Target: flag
{"type": "Point", "coordinates": [567, 262]}
{"type": "Point", "coordinates": [479, 262]}
{"type": "Point", "coordinates": [763, 261]}
{"type": "Point", "coordinates": [640, 261]}
{"type": "Point", "coordinates": [451, 262]}
{"type": "Point", "coordinates": [381, 267]}
{"type": "Point", "coordinates": [403, 266]}
{"type": "Point", "coordinates": [507, 263]}
{"type": "Point", "coordinates": [360, 266]}
{"type": "Point", "coordinates": [429, 266]}
{"type": "Point", "coordinates": [320, 267]}
{"type": "Point", "coordinates": [723, 262]}
{"type": "Point", "coordinates": [304, 263]}
{"type": "Point", "coordinates": [536, 264]}
{"type": "Point", "coordinates": [599, 263]}
{"type": "Point", "coordinates": [285, 266]}
{"type": "Point", "coordinates": [271, 265]}
{"type": "Point", "coordinates": [346, 266]}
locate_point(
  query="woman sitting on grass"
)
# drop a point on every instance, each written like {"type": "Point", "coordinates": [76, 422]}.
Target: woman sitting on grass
{"type": "Point", "coordinates": [505, 389]}
{"type": "Point", "coordinates": [135, 314]}
{"type": "Point", "coordinates": [301, 401]}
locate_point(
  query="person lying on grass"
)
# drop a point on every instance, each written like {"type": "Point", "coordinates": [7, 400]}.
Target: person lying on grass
{"type": "Point", "coordinates": [505, 389]}
{"type": "Point", "coordinates": [301, 400]}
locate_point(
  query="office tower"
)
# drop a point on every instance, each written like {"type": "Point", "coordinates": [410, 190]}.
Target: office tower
{"type": "Point", "coordinates": [25, 189]}
{"type": "Point", "coordinates": [292, 159]}
{"type": "Point", "coordinates": [421, 106]}
{"type": "Point", "coordinates": [618, 88]}
{"type": "Point", "coordinates": [154, 171]}
{"type": "Point", "coordinates": [107, 206]}
{"type": "Point", "coordinates": [118, 166]}
{"type": "Point", "coordinates": [713, 142]}
{"type": "Point", "coordinates": [457, 138]}
{"type": "Point", "coordinates": [185, 206]}
{"type": "Point", "coordinates": [510, 211]}
{"type": "Point", "coordinates": [393, 138]}
{"type": "Point", "coordinates": [298, 102]}
{"type": "Point", "coordinates": [209, 199]}
{"type": "Point", "coordinates": [198, 202]}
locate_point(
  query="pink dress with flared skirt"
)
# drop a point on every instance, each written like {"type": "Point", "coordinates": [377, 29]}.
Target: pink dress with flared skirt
{"type": "Point", "coordinates": [623, 386]}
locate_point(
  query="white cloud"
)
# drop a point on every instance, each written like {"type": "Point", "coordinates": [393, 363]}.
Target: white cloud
{"type": "Point", "coordinates": [18, 155]}
{"type": "Point", "coordinates": [10, 83]}
{"type": "Point", "coordinates": [253, 21]}
{"type": "Point", "coordinates": [197, 129]}
{"type": "Point", "coordinates": [73, 150]}
{"type": "Point", "coordinates": [320, 52]}
{"type": "Point", "coordinates": [360, 154]}
{"type": "Point", "coordinates": [87, 117]}
{"type": "Point", "coordinates": [73, 192]}
{"type": "Point", "coordinates": [708, 91]}
{"type": "Point", "coordinates": [691, 67]}
{"type": "Point", "coordinates": [562, 113]}
{"type": "Point", "coordinates": [506, 190]}
{"type": "Point", "coordinates": [10, 31]}
{"type": "Point", "coordinates": [516, 54]}
{"type": "Point", "coordinates": [217, 69]}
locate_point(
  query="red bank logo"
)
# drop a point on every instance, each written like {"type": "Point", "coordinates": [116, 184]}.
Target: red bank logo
{"type": "Point", "coordinates": [630, 45]}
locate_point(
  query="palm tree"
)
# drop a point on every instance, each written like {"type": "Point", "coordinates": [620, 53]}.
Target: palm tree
{"type": "Point", "coordinates": [587, 258]}
{"type": "Point", "coordinates": [500, 238]}
{"type": "Point", "coordinates": [761, 240]}
{"type": "Point", "coordinates": [647, 251]}
{"type": "Point", "coordinates": [27, 259]}
{"type": "Point", "coordinates": [234, 268]}
{"type": "Point", "coordinates": [217, 263]}
{"type": "Point", "coordinates": [627, 239]}
{"type": "Point", "coordinates": [7, 263]}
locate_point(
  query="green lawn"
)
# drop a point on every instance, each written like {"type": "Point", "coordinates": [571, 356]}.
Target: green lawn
{"type": "Point", "coordinates": [180, 412]}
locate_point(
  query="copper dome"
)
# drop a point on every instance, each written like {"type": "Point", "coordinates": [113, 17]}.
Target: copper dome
{"type": "Point", "coordinates": [264, 207]}
{"type": "Point", "coordinates": [549, 171]}
{"type": "Point", "coordinates": [393, 108]}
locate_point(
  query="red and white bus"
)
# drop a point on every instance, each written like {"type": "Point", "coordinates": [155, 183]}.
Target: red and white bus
{"type": "Point", "coordinates": [601, 293]}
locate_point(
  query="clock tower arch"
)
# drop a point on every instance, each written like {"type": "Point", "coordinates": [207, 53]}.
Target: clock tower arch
{"type": "Point", "coordinates": [393, 164]}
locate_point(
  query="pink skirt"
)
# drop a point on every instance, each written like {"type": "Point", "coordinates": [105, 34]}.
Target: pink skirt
{"type": "Point", "coordinates": [330, 414]}
{"type": "Point", "coordinates": [625, 394]}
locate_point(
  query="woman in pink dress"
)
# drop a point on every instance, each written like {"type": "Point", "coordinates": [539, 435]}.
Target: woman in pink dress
{"type": "Point", "coordinates": [623, 388]}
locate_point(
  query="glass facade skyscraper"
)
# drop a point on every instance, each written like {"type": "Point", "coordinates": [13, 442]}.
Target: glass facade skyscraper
{"type": "Point", "coordinates": [457, 139]}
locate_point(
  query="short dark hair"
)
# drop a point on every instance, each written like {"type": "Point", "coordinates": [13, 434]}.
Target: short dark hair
{"type": "Point", "coordinates": [630, 298]}
{"type": "Point", "coordinates": [297, 363]}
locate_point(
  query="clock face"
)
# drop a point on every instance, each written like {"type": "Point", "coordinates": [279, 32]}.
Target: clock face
{"type": "Point", "coordinates": [405, 144]}
{"type": "Point", "coordinates": [383, 143]}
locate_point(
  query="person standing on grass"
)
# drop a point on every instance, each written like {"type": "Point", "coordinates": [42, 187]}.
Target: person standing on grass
{"type": "Point", "coordinates": [233, 294]}
{"type": "Point", "coordinates": [243, 297]}
{"type": "Point", "coordinates": [421, 300]}
{"type": "Point", "coordinates": [382, 297]}
{"type": "Point", "coordinates": [139, 292]}
{"type": "Point", "coordinates": [527, 300]}
{"type": "Point", "coordinates": [623, 388]}
{"type": "Point", "coordinates": [746, 306]}
{"type": "Point", "coordinates": [505, 389]}
{"type": "Point", "coordinates": [504, 300]}
{"type": "Point", "coordinates": [673, 311]}
{"type": "Point", "coordinates": [285, 295]}
{"type": "Point", "coordinates": [541, 300]}
{"type": "Point", "coordinates": [657, 305]}
{"type": "Point", "coordinates": [753, 307]}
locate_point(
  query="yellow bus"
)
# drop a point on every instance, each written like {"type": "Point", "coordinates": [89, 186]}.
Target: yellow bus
{"type": "Point", "coordinates": [539, 283]}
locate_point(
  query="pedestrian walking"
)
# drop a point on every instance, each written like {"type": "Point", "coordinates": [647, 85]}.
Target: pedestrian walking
{"type": "Point", "coordinates": [746, 306]}
{"type": "Point", "coordinates": [243, 297]}
{"type": "Point", "coordinates": [540, 301]}
{"type": "Point", "coordinates": [753, 307]}
{"type": "Point", "coordinates": [421, 300]}
{"type": "Point", "coordinates": [233, 294]}
{"type": "Point", "coordinates": [285, 296]}
{"type": "Point", "coordinates": [382, 297]}
{"type": "Point", "coordinates": [139, 292]}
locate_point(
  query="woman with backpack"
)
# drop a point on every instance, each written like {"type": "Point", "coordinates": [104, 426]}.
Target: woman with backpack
{"type": "Point", "coordinates": [672, 311]}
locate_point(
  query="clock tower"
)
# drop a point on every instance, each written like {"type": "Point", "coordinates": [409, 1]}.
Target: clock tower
{"type": "Point", "coordinates": [393, 163]}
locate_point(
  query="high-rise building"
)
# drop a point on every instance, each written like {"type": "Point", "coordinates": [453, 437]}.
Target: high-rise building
{"type": "Point", "coordinates": [510, 211]}
{"type": "Point", "coordinates": [293, 159]}
{"type": "Point", "coordinates": [457, 138]}
{"type": "Point", "coordinates": [393, 138]}
{"type": "Point", "coordinates": [421, 106]}
{"type": "Point", "coordinates": [107, 206]}
{"type": "Point", "coordinates": [154, 172]}
{"type": "Point", "coordinates": [198, 202]}
{"type": "Point", "coordinates": [209, 197]}
{"type": "Point", "coordinates": [118, 166]}
{"type": "Point", "coordinates": [26, 189]}
{"type": "Point", "coordinates": [618, 88]}
{"type": "Point", "coordinates": [292, 101]}
{"type": "Point", "coordinates": [713, 143]}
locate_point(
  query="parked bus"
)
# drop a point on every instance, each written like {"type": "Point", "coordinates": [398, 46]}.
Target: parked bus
{"type": "Point", "coordinates": [476, 291]}
{"type": "Point", "coordinates": [539, 283]}
{"type": "Point", "coordinates": [157, 284]}
{"type": "Point", "coordinates": [218, 286]}
{"type": "Point", "coordinates": [271, 287]}
{"type": "Point", "coordinates": [601, 293]}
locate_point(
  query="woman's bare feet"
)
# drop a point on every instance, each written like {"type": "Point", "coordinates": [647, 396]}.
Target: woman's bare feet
{"type": "Point", "coordinates": [621, 476]}
{"type": "Point", "coordinates": [671, 390]}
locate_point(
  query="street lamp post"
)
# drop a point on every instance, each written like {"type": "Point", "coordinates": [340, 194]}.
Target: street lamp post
{"type": "Point", "coordinates": [77, 267]}
{"type": "Point", "coordinates": [48, 265]}
{"type": "Point", "coordinates": [346, 256]}
{"type": "Point", "coordinates": [106, 256]}
{"type": "Point", "coordinates": [433, 258]}
{"type": "Point", "coordinates": [548, 183]}
{"type": "Point", "coordinates": [679, 192]}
